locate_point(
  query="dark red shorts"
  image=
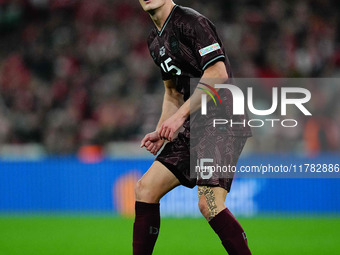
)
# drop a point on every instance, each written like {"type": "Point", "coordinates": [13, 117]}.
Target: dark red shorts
{"type": "Point", "coordinates": [213, 148]}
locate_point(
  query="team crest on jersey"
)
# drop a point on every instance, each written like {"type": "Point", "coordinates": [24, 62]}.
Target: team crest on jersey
{"type": "Point", "coordinates": [162, 51]}
{"type": "Point", "coordinates": [174, 45]}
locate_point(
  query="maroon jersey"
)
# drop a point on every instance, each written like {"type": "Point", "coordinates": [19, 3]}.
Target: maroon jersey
{"type": "Point", "coordinates": [185, 46]}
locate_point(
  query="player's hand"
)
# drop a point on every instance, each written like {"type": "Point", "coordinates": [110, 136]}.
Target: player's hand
{"type": "Point", "coordinates": [152, 142]}
{"type": "Point", "coordinates": [170, 126]}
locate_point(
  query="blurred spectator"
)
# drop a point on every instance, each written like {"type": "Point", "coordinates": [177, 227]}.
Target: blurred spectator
{"type": "Point", "coordinates": [72, 72]}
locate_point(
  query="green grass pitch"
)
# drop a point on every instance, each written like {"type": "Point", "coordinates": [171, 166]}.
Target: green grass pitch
{"type": "Point", "coordinates": [112, 235]}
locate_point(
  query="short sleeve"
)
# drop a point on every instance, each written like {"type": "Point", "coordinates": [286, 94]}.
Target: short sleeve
{"type": "Point", "coordinates": [206, 44]}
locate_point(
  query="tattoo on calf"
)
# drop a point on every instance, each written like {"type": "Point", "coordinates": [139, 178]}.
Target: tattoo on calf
{"type": "Point", "coordinates": [210, 198]}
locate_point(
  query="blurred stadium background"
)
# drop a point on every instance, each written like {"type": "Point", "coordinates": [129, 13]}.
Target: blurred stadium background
{"type": "Point", "coordinates": [78, 91]}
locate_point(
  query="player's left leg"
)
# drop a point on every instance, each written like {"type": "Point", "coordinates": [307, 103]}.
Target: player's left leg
{"type": "Point", "coordinates": [223, 222]}
{"type": "Point", "coordinates": [154, 184]}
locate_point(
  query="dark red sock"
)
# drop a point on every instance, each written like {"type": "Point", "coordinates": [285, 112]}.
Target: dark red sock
{"type": "Point", "coordinates": [145, 228]}
{"type": "Point", "coordinates": [231, 233]}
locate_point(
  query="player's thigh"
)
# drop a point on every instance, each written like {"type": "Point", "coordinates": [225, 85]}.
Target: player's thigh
{"type": "Point", "coordinates": [155, 183]}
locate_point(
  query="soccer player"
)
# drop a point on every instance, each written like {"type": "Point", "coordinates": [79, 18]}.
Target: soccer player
{"type": "Point", "coordinates": [184, 44]}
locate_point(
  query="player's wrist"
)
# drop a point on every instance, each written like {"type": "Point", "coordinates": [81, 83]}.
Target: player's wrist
{"type": "Point", "coordinates": [182, 114]}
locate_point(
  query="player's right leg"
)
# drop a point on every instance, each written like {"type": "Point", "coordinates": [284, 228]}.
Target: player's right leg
{"type": "Point", "coordinates": [154, 184]}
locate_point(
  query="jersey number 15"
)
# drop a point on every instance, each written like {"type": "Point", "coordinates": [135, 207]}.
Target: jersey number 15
{"type": "Point", "coordinates": [168, 68]}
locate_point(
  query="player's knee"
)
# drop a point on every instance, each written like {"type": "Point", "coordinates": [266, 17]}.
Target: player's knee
{"type": "Point", "coordinates": [139, 190]}
{"type": "Point", "coordinates": [143, 193]}
{"type": "Point", "coordinates": [203, 207]}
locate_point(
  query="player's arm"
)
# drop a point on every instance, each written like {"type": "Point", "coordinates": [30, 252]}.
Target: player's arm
{"type": "Point", "coordinates": [172, 101]}
{"type": "Point", "coordinates": [216, 72]}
